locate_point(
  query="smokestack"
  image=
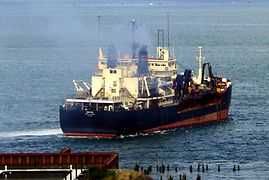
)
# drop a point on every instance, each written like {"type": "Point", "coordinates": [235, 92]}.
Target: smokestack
{"type": "Point", "coordinates": [142, 69]}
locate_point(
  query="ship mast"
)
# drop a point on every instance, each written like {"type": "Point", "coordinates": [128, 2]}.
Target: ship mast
{"type": "Point", "coordinates": [168, 33]}
{"type": "Point", "coordinates": [133, 38]}
{"type": "Point", "coordinates": [99, 28]}
{"type": "Point", "coordinates": [200, 58]}
{"type": "Point", "coordinates": [101, 57]}
{"type": "Point", "coordinates": [160, 38]}
{"type": "Point", "coordinates": [100, 51]}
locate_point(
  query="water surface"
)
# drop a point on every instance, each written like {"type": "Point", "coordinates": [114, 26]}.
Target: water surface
{"type": "Point", "coordinates": [44, 45]}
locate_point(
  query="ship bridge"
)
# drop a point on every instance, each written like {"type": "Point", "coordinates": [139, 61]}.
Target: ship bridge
{"type": "Point", "coordinates": [94, 104]}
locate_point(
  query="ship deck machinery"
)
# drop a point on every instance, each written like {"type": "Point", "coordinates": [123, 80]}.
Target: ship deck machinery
{"type": "Point", "coordinates": [145, 96]}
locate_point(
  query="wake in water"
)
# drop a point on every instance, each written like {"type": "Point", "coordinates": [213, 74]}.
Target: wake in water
{"type": "Point", "coordinates": [38, 132]}
{"type": "Point", "coordinates": [160, 132]}
{"type": "Point", "coordinates": [125, 135]}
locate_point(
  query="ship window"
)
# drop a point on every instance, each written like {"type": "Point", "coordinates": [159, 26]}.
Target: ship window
{"type": "Point", "coordinates": [114, 83]}
{"type": "Point", "coordinates": [113, 71]}
{"type": "Point", "coordinates": [113, 90]}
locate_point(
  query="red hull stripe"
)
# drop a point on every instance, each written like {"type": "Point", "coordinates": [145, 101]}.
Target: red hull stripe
{"type": "Point", "coordinates": [216, 116]}
{"type": "Point", "coordinates": [95, 135]}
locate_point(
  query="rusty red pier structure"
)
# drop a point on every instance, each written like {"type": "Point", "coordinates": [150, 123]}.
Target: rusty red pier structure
{"type": "Point", "coordinates": [65, 160]}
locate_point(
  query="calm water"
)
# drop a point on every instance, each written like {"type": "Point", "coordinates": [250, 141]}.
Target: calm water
{"type": "Point", "coordinates": [44, 45]}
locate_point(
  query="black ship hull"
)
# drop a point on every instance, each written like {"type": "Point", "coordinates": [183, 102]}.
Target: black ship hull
{"type": "Point", "coordinates": [75, 121]}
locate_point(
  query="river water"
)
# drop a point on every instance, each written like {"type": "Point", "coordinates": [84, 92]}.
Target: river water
{"type": "Point", "coordinates": [44, 45]}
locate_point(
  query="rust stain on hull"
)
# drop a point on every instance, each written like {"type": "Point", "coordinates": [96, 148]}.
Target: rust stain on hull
{"type": "Point", "coordinates": [212, 117]}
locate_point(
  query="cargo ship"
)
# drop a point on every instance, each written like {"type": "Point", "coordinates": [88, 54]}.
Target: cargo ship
{"type": "Point", "coordinates": [140, 94]}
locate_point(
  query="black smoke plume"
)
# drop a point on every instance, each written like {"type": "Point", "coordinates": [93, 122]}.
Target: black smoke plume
{"type": "Point", "coordinates": [142, 69]}
{"type": "Point", "coordinates": [112, 57]}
